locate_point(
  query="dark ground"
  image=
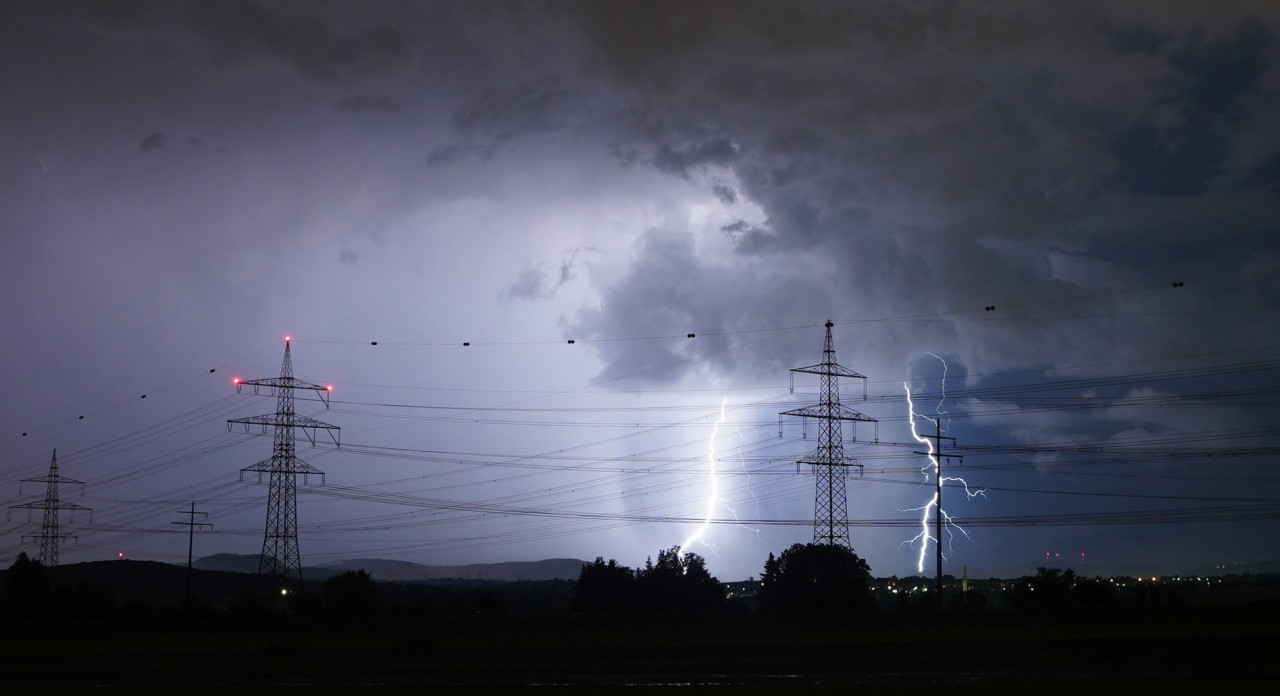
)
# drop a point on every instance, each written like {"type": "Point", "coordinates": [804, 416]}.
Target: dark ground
{"type": "Point", "coordinates": [1207, 649]}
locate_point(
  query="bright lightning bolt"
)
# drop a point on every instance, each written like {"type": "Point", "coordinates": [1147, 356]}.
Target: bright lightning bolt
{"type": "Point", "coordinates": [714, 499]}
{"type": "Point", "coordinates": [943, 400]}
{"type": "Point", "coordinates": [742, 465]}
{"type": "Point", "coordinates": [924, 537]}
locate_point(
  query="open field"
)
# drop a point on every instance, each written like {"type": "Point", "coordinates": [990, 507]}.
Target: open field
{"type": "Point", "coordinates": [991, 653]}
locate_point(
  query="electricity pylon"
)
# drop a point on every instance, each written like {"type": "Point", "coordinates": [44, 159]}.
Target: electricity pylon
{"type": "Point", "coordinates": [280, 559]}
{"type": "Point", "coordinates": [50, 536]}
{"type": "Point", "coordinates": [829, 462]}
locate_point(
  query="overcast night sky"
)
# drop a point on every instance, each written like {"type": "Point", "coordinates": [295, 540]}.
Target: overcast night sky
{"type": "Point", "coordinates": [183, 184]}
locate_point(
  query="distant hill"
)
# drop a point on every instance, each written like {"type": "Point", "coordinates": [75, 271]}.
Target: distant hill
{"type": "Point", "coordinates": [229, 562]}
{"type": "Point", "coordinates": [511, 571]}
{"type": "Point", "coordinates": [1253, 568]}
{"type": "Point", "coordinates": [153, 582]}
{"type": "Point", "coordinates": [220, 578]}
{"type": "Point", "coordinates": [405, 571]}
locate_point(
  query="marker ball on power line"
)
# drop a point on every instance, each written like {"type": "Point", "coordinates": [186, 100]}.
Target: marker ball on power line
{"type": "Point", "coordinates": [144, 396]}
{"type": "Point", "coordinates": [466, 343]}
{"type": "Point", "coordinates": [81, 417]}
{"type": "Point", "coordinates": [1177, 283]}
{"type": "Point", "coordinates": [689, 336]}
{"type": "Point", "coordinates": [571, 341]}
{"type": "Point", "coordinates": [373, 343]}
{"type": "Point", "coordinates": [213, 370]}
{"type": "Point", "coordinates": [991, 308]}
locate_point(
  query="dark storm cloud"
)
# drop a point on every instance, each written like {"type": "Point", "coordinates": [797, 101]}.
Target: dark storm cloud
{"type": "Point", "coordinates": [495, 116]}
{"type": "Point", "coordinates": [315, 38]}
{"type": "Point", "coordinates": [1266, 175]}
{"type": "Point", "coordinates": [725, 193]}
{"type": "Point", "coordinates": [311, 43]}
{"type": "Point", "coordinates": [155, 141]}
{"type": "Point", "coordinates": [669, 291]}
{"type": "Point", "coordinates": [364, 104]}
{"type": "Point", "coordinates": [712, 149]}
{"type": "Point", "coordinates": [530, 284]}
{"type": "Point", "coordinates": [1181, 158]}
{"type": "Point", "coordinates": [540, 283]}
{"type": "Point", "coordinates": [645, 40]}
{"type": "Point", "coordinates": [915, 144]}
{"type": "Point", "coordinates": [737, 228]}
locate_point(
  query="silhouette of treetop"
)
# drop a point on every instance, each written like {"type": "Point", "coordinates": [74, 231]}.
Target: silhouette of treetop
{"type": "Point", "coordinates": [816, 578]}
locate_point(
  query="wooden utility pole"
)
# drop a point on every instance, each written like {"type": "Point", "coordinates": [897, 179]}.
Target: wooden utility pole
{"type": "Point", "coordinates": [191, 525]}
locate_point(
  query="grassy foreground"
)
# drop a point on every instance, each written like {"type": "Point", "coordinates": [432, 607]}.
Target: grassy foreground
{"type": "Point", "coordinates": [890, 653]}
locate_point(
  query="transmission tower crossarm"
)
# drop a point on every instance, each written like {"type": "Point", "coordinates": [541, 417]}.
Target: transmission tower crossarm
{"type": "Point", "coordinates": [829, 411]}
{"type": "Point", "coordinates": [275, 386]}
{"type": "Point", "coordinates": [53, 478]}
{"type": "Point", "coordinates": [57, 505]}
{"type": "Point", "coordinates": [308, 425]}
{"type": "Point", "coordinates": [830, 370]}
{"type": "Point", "coordinates": [272, 466]}
{"type": "Point", "coordinates": [824, 457]}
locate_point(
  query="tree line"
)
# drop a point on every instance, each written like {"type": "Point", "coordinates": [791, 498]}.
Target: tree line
{"type": "Point", "coordinates": [805, 578]}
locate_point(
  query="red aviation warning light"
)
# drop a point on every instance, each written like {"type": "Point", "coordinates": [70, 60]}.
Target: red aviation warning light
{"type": "Point", "coordinates": [235, 380]}
{"type": "Point", "coordinates": [328, 387]}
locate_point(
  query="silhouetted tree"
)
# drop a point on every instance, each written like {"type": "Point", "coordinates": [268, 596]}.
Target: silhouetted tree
{"type": "Point", "coordinates": [1049, 587]}
{"type": "Point", "coordinates": [26, 586]}
{"type": "Point", "coordinates": [1053, 587]}
{"type": "Point", "coordinates": [1094, 592]}
{"type": "Point", "coordinates": [678, 583]}
{"type": "Point", "coordinates": [604, 587]}
{"type": "Point", "coordinates": [351, 593]}
{"type": "Point", "coordinates": [816, 578]}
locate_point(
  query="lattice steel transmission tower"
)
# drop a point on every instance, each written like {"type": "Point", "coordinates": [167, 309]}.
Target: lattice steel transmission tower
{"type": "Point", "coordinates": [829, 462]}
{"type": "Point", "coordinates": [51, 535]}
{"type": "Point", "coordinates": [280, 559]}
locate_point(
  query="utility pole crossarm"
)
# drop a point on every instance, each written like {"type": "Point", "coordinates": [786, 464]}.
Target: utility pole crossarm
{"type": "Point", "coordinates": [191, 526]}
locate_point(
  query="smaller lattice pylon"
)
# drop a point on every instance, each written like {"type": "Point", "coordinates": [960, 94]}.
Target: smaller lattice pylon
{"type": "Point", "coordinates": [51, 535]}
